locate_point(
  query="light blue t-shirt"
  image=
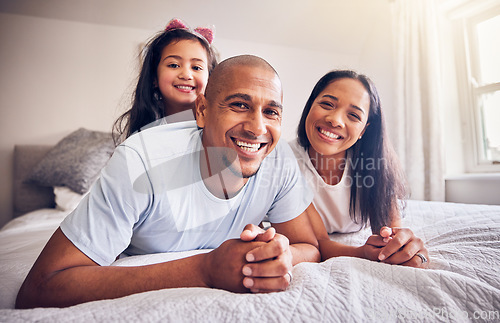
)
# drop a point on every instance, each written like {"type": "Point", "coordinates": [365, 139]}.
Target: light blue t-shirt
{"type": "Point", "coordinates": [150, 198]}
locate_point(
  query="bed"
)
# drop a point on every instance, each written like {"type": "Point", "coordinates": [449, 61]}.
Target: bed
{"type": "Point", "coordinates": [462, 282]}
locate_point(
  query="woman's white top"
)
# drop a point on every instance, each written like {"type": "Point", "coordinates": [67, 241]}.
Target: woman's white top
{"type": "Point", "coordinates": [331, 201]}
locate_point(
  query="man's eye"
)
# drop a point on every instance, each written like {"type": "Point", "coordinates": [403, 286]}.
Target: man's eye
{"type": "Point", "coordinates": [272, 112]}
{"type": "Point", "coordinates": [239, 105]}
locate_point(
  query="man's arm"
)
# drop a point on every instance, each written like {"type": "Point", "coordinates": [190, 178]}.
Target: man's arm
{"type": "Point", "coordinates": [64, 276]}
{"type": "Point", "coordinates": [302, 241]}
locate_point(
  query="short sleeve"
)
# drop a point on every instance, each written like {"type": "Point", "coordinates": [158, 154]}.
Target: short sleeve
{"type": "Point", "coordinates": [293, 195]}
{"type": "Point", "coordinates": [102, 224]}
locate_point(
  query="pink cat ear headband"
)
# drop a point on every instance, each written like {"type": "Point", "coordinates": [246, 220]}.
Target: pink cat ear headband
{"type": "Point", "coordinates": [206, 33]}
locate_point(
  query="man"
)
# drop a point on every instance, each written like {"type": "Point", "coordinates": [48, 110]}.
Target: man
{"type": "Point", "coordinates": [176, 188]}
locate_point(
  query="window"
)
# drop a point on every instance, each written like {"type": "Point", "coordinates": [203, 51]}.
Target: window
{"type": "Point", "coordinates": [485, 70]}
{"type": "Point", "coordinates": [480, 84]}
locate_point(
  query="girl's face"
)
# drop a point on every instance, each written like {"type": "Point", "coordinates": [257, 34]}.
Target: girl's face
{"type": "Point", "coordinates": [182, 74]}
{"type": "Point", "coordinates": [338, 117]}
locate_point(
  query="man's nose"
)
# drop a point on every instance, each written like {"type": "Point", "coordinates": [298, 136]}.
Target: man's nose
{"type": "Point", "coordinates": [256, 124]}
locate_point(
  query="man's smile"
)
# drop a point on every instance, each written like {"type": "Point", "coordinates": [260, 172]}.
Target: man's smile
{"type": "Point", "coordinates": [248, 147]}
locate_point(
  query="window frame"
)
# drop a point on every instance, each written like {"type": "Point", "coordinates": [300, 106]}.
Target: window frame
{"type": "Point", "coordinates": [466, 49]}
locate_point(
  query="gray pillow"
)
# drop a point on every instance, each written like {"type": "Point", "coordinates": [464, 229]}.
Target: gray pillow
{"type": "Point", "coordinates": [75, 162]}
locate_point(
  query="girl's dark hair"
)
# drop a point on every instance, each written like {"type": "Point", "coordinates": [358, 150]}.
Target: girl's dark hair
{"type": "Point", "coordinates": [145, 108]}
{"type": "Point", "coordinates": [377, 179]}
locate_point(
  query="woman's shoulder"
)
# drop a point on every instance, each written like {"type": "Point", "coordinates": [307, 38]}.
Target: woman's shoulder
{"type": "Point", "coordinates": [294, 144]}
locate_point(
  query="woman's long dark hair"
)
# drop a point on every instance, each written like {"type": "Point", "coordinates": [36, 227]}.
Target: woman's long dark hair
{"type": "Point", "coordinates": [145, 108]}
{"type": "Point", "coordinates": [377, 179]}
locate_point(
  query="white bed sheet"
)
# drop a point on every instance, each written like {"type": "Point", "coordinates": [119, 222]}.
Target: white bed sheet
{"type": "Point", "coordinates": [462, 282]}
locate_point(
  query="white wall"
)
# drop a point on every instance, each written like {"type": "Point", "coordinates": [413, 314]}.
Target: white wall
{"type": "Point", "coordinates": [299, 70]}
{"type": "Point", "coordinates": [60, 75]}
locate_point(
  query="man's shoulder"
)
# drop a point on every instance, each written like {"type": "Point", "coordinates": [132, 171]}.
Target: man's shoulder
{"type": "Point", "coordinates": [167, 129]}
{"type": "Point", "coordinates": [282, 152]}
{"type": "Point", "coordinates": [172, 137]}
{"type": "Point", "coordinates": [281, 159]}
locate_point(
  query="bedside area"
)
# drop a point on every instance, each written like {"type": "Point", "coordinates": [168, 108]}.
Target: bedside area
{"type": "Point", "coordinates": [483, 188]}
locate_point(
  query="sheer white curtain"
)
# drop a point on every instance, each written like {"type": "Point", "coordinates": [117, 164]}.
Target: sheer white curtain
{"type": "Point", "coordinates": [417, 126]}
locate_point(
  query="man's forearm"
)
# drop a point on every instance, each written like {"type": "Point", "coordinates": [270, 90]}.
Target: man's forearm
{"type": "Point", "coordinates": [64, 276]}
{"type": "Point", "coordinates": [88, 283]}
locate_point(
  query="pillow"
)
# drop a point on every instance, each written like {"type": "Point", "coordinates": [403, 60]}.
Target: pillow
{"type": "Point", "coordinates": [75, 161]}
{"type": "Point", "coordinates": [66, 198]}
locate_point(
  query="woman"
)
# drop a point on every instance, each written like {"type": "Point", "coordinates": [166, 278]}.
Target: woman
{"type": "Point", "coordinates": [344, 153]}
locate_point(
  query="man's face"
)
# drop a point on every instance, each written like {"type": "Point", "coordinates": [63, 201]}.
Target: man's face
{"type": "Point", "coordinates": [244, 118]}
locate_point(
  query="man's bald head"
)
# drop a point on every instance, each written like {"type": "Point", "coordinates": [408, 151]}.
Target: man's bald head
{"type": "Point", "coordinates": [223, 72]}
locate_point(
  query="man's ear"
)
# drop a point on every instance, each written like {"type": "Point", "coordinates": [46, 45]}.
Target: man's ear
{"type": "Point", "coordinates": [201, 110]}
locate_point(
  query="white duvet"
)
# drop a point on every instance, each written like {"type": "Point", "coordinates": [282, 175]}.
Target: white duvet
{"type": "Point", "coordinates": [462, 282]}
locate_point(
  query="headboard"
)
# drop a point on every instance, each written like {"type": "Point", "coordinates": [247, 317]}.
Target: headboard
{"type": "Point", "coordinates": [29, 197]}
{"type": "Point", "coordinates": [74, 162]}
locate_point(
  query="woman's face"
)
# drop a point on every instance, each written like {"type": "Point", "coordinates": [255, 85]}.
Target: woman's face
{"type": "Point", "coordinates": [338, 117]}
{"type": "Point", "coordinates": [182, 74]}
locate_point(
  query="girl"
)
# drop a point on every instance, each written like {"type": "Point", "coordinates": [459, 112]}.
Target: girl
{"type": "Point", "coordinates": [175, 69]}
{"type": "Point", "coordinates": [345, 155]}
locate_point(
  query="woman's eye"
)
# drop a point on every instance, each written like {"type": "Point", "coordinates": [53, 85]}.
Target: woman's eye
{"type": "Point", "coordinates": [326, 105]}
{"type": "Point", "coordinates": [173, 65]}
{"type": "Point", "coordinates": [355, 116]}
{"type": "Point", "coordinates": [197, 68]}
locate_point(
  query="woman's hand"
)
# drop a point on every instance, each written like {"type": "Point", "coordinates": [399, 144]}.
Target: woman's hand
{"type": "Point", "coordinates": [397, 246]}
{"type": "Point", "coordinates": [371, 249]}
{"type": "Point", "coordinates": [403, 248]}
